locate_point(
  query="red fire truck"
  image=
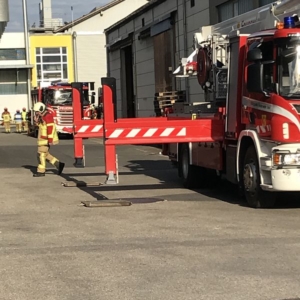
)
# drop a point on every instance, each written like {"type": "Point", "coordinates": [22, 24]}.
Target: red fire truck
{"type": "Point", "coordinates": [249, 70]}
{"type": "Point", "coordinates": [57, 96]}
{"type": "Point", "coordinates": [248, 126]}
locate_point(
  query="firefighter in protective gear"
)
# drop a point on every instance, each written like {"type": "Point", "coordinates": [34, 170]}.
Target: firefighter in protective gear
{"type": "Point", "coordinates": [18, 121]}
{"type": "Point", "coordinates": [24, 120]}
{"type": "Point", "coordinates": [6, 117]}
{"type": "Point", "coordinates": [47, 136]}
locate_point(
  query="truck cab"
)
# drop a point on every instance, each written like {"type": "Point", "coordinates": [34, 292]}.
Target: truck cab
{"type": "Point", "coordinates": [57, 96]}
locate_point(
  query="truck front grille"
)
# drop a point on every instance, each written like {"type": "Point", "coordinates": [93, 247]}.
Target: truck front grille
{"type": "Point", "coordinates": [64, 118]}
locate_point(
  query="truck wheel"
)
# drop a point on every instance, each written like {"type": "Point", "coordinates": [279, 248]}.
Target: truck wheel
{"type": "Point", "coordinates": [255, 196]}
{"type": "Point", "coordinates": [187, 171]}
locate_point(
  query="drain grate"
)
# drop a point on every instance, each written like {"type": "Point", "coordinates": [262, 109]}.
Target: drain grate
{"type": "Point", "coordinates": [143, 200]}
{"type": "Point", "coordinates": [106, 203]}
{"type": "Point", "coordinates": [102, 201]}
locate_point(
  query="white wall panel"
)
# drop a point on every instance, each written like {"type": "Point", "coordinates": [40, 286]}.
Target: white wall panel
{"type": "Point", "coordinates": [12, 102]}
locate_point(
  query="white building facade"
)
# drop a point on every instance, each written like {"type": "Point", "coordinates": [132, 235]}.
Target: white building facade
{"type": "Point", "coordinates": [13, 72]}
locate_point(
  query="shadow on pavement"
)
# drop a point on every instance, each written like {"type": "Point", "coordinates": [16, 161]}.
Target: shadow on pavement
{"type": "Point", "coordinates": [32, 169]}
{"type": "Point", "coordinates": [168, 180]}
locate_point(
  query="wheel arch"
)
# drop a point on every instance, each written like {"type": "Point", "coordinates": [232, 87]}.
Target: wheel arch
{"type": "Point", "coordinates": [249, 138]}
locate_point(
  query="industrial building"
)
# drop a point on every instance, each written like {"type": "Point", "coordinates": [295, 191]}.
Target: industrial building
{"type": "Point", "coordinates": [147, 46]}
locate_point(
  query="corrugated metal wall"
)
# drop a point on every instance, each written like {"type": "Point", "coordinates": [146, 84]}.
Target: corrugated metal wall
{"type": "Point", "coordinates": [265, 2]}
{"type": "Point", "coordinates": [231, 9]}
{"type": "Point", "coordinates": [245, 5]}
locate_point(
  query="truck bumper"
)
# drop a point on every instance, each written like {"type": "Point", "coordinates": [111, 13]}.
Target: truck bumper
{"type": "Point", "coordinates": [286, 179]}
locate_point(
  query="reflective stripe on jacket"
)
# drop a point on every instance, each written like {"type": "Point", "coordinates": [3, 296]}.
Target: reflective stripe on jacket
{"type": "Point", "coordinates": [47, 131]}
{"type": "Point", "coordinates": [6, 117]}
{"type": "Point", "coordinates": [18, 117]}
{"type": "Point", "coordinates": [24, 114]}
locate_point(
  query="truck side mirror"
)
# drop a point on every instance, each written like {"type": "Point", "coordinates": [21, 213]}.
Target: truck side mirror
{"type": "Point", "coordinates": [100, 92]}
{"type": "Point", "coordinates": [254, 78]}
{"type": "Point", "coordinates": [92, 86]}
{"type": "Point", "coordinates": [254, 55]}
{"type": "Point", "coordinates": [93, 98]}
{"type": "Point", "coordinates": [259, 79]}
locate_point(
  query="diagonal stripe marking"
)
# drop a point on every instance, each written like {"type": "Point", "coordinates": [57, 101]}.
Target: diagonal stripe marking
{"type": "Point", "coordinates": [167, 131]}
{"type": "Point", "coordinates": [97, 128]}
{"type": "Point", "coordinates": [150, 132]}
{"type": "Point", "coordinates": [116, 133]}
{"type": "Point", "coordinates": [133, 133]}
{"type": "Point", "coordinates": [84, 128]}
{"type": "Point", "coordinates": [182, 132]}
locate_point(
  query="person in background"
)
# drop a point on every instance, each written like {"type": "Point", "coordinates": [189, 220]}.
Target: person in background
{"type": "Point", "coordinates": [18, 121]}
{"type": "Point", "coordinates": [24, 120]}
{"type": "Point", "coordinates": [6, 117]}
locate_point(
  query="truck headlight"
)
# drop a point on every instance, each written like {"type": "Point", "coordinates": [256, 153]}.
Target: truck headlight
{"type": "Point", "coordinates": [283, 159]}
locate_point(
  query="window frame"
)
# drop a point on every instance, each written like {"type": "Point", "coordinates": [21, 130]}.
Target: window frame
{"type": "Point", "coordinates": [43, 58]}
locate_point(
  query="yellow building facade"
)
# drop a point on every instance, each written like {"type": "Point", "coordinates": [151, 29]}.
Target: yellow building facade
{"type": "Point", "coordinates": [52, 57]}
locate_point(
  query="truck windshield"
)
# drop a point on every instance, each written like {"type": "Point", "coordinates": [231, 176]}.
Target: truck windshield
{"type": "Point", "coordinates": [63, 97]}
{"type": "Point", "coordinates": [290, 71]}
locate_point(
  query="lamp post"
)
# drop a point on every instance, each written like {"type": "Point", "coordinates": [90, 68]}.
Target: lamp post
{"type": "Point", "coordinates": [26, 38]}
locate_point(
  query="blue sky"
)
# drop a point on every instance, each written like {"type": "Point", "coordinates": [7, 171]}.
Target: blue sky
{"type": "Point", "coordinates": [60, 9]}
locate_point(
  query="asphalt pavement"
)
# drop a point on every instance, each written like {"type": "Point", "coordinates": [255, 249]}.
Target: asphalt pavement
{"type": "Point", "coordinates": [196, 244]}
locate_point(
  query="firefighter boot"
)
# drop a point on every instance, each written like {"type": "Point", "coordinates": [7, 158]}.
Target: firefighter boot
{"type": "Point", "coordinates": [39, 174]}
{"type": "Point", "coordinates": [59, 166]}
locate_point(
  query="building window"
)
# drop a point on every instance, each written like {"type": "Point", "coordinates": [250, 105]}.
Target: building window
{"type": "Point", "coordinates": [51, 64]}
{"type": "Point", "coordinates": [234, 8]}
{"type": "Point", "coordinates": [12, 54]}
{"type": "Point", "coordinates": [192, 3]}
{"type": "Point", "coordinates": [13, 82]}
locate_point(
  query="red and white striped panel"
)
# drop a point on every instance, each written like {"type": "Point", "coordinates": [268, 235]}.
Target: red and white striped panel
{"type": "Point", "coordinates": [89, 128]}
{"type": "Point", "coordinates": [263, 128]}
{"type": "Point", "coordinates": [146, 132]}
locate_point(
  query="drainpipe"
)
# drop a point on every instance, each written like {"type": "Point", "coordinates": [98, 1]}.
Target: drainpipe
{"type": "Point", "coordinates": [26, 38]}
{"type": "Point", "coordinates": [185, 47]}
{"type": "Point", "coordinates": [178, 56]}
{"type": "Point", "coordinates": [74, 35]}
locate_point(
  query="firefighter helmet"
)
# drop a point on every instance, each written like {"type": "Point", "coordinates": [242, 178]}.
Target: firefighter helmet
{"type": "Point", "coordinates": [5, 108]}
{"type": "Point", "coordinates": [18, 110]}
{"type": "Point", "coordinates": [41, 107]}
{"type": "Point", "coordinates": [24, 108]}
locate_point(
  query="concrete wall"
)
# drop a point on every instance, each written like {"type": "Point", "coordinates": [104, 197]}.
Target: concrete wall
{"type": "Point", "coordinates": [187, 21]}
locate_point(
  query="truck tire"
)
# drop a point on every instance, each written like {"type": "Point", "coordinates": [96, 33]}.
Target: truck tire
{"type": "Point", "coordinates": [255, 196]}
{"type": "Point", "coordinates": [195, 176]}
{"type": "Point", "coordinates": [187, 171]}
